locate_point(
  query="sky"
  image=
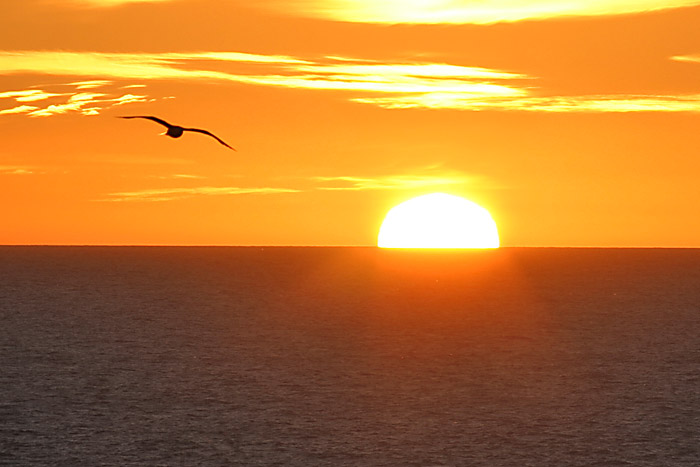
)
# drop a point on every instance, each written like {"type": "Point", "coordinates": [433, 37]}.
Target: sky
{"type": "Point", "coordinates": [573, 123]}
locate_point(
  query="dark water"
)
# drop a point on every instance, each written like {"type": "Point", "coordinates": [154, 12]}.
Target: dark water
{"type": "Point", "coordinates": [349, 356]}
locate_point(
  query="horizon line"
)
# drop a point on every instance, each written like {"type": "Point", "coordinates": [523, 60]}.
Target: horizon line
{"type": "Point", "coordinates": [146, 245]}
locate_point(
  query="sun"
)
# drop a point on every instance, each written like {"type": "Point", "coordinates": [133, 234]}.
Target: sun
{"type": "Point", "coordinates": [438, 220]}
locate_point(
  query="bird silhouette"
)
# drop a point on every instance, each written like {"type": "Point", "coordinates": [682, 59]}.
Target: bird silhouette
{"type": "Point", "coordinates": [175, 131]}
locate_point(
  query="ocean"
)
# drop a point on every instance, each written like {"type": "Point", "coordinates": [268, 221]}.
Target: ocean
{"type": "Point", "coordinates": [174, 356]}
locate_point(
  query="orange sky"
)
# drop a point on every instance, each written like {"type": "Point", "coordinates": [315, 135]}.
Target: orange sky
{"type": "Point", "coordinates": [573, 124]}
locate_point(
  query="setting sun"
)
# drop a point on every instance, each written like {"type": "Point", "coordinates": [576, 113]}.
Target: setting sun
{"type": "Point", "coordinates": [438, 220]}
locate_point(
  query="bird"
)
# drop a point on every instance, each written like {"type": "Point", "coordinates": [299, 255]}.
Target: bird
{"type": "Point", "coordinates": [175, 131]}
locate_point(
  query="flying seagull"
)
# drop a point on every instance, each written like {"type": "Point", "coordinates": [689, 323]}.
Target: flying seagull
{"type": "Point", "coordinates": [175, 131]}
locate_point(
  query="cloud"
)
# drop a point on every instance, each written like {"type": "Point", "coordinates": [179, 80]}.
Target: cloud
{"type": "Point", "coordinates": [169, 194]}
{"type": "Point", "coordinates": [76, 102]}
{"type": "Point", "coordinates": [391, 85]}
{"type": "Point", "coordinates": [332, 73]}
{"type": "Point", "coordinates": [687, 58]}
{"type": "Point", "coordinates": [29, 95]}
{"type": "Point", "coordinates": [86, 103]}
{"type": "Point", "coordinates": [180, 176]}
{"type": "Point", "coordinates": [429, 177]}
{"type": "Point", "coordinates": [392, 182]}
{"type": "Point", "coordinates": [419, 70]}
{"type": "Point", "coordinates": [128, 66]}
{"type": "Point", "coordinates": [20, 109]}
{"type": "Point", "coordinates": [465, 11]}
{"type": "Point", "coordinates": [106, 3]}
{"type": "Point", "coordinates": [16, 170]}
{"type": "Point", "coordinates": [90, 84]}
{"type": "Point", "coordinates": [588, 104]}
{"type": "Point", "coordinates": [281, 71]}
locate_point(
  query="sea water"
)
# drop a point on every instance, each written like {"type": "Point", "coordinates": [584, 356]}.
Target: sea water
{"type": "Point", "coordinates": [349, 356]}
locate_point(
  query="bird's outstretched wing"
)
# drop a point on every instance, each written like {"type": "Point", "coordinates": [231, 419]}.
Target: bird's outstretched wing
{"type": "Point", "coordinates": [148, 117]}
{"type": "Point", "coordinates": [197, 130]}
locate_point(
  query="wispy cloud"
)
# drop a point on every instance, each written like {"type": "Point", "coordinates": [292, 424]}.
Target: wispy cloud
{"type": "Point", "coordinates": [589, 104]}
{"type": "Point", "coordinates": [128, 65]}
{"type": "Point", "coordinates": [331, 73]}
{"type": "Point", "coordinates": [280, 71]}
{"type": "Point", "coordinates": [421, 70]}
{"type": "Point", "coordinates": [169, 194]}
{"type": "Point", "coordinates": [181, 176]}
{"type": "Point", "coordinates": [29, 95]}
{"type": "Point", "coordinates": [16, 170]}
{"type": "Point", "coordinates": [90, 84]}
{"type": "Point", "coordinates": [687, 58]}
{"type": "Point", "coordinates": [391, 85]}
{"type": "Point", "coordinates": [20, 109]}
{"type": "Point", "coordinates": [430, 177]}
{"type": "Point", "coordinates": [464, 11]}
{"type": "Point", "coordinates": [107, 3]}
{"type": "Point", "coordinates": [75, 100]}
{"type": "Point", "coordinates": [394, 182]}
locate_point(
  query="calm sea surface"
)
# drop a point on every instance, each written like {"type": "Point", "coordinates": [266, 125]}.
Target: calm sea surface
{"type": "Point", "coordinates": [349, 356]}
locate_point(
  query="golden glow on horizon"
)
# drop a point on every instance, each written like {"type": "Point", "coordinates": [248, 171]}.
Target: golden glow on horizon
{"type": "Point", "coordinates": [438, 220]}
{"type": "Point", "coordinates": [466, 11]}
